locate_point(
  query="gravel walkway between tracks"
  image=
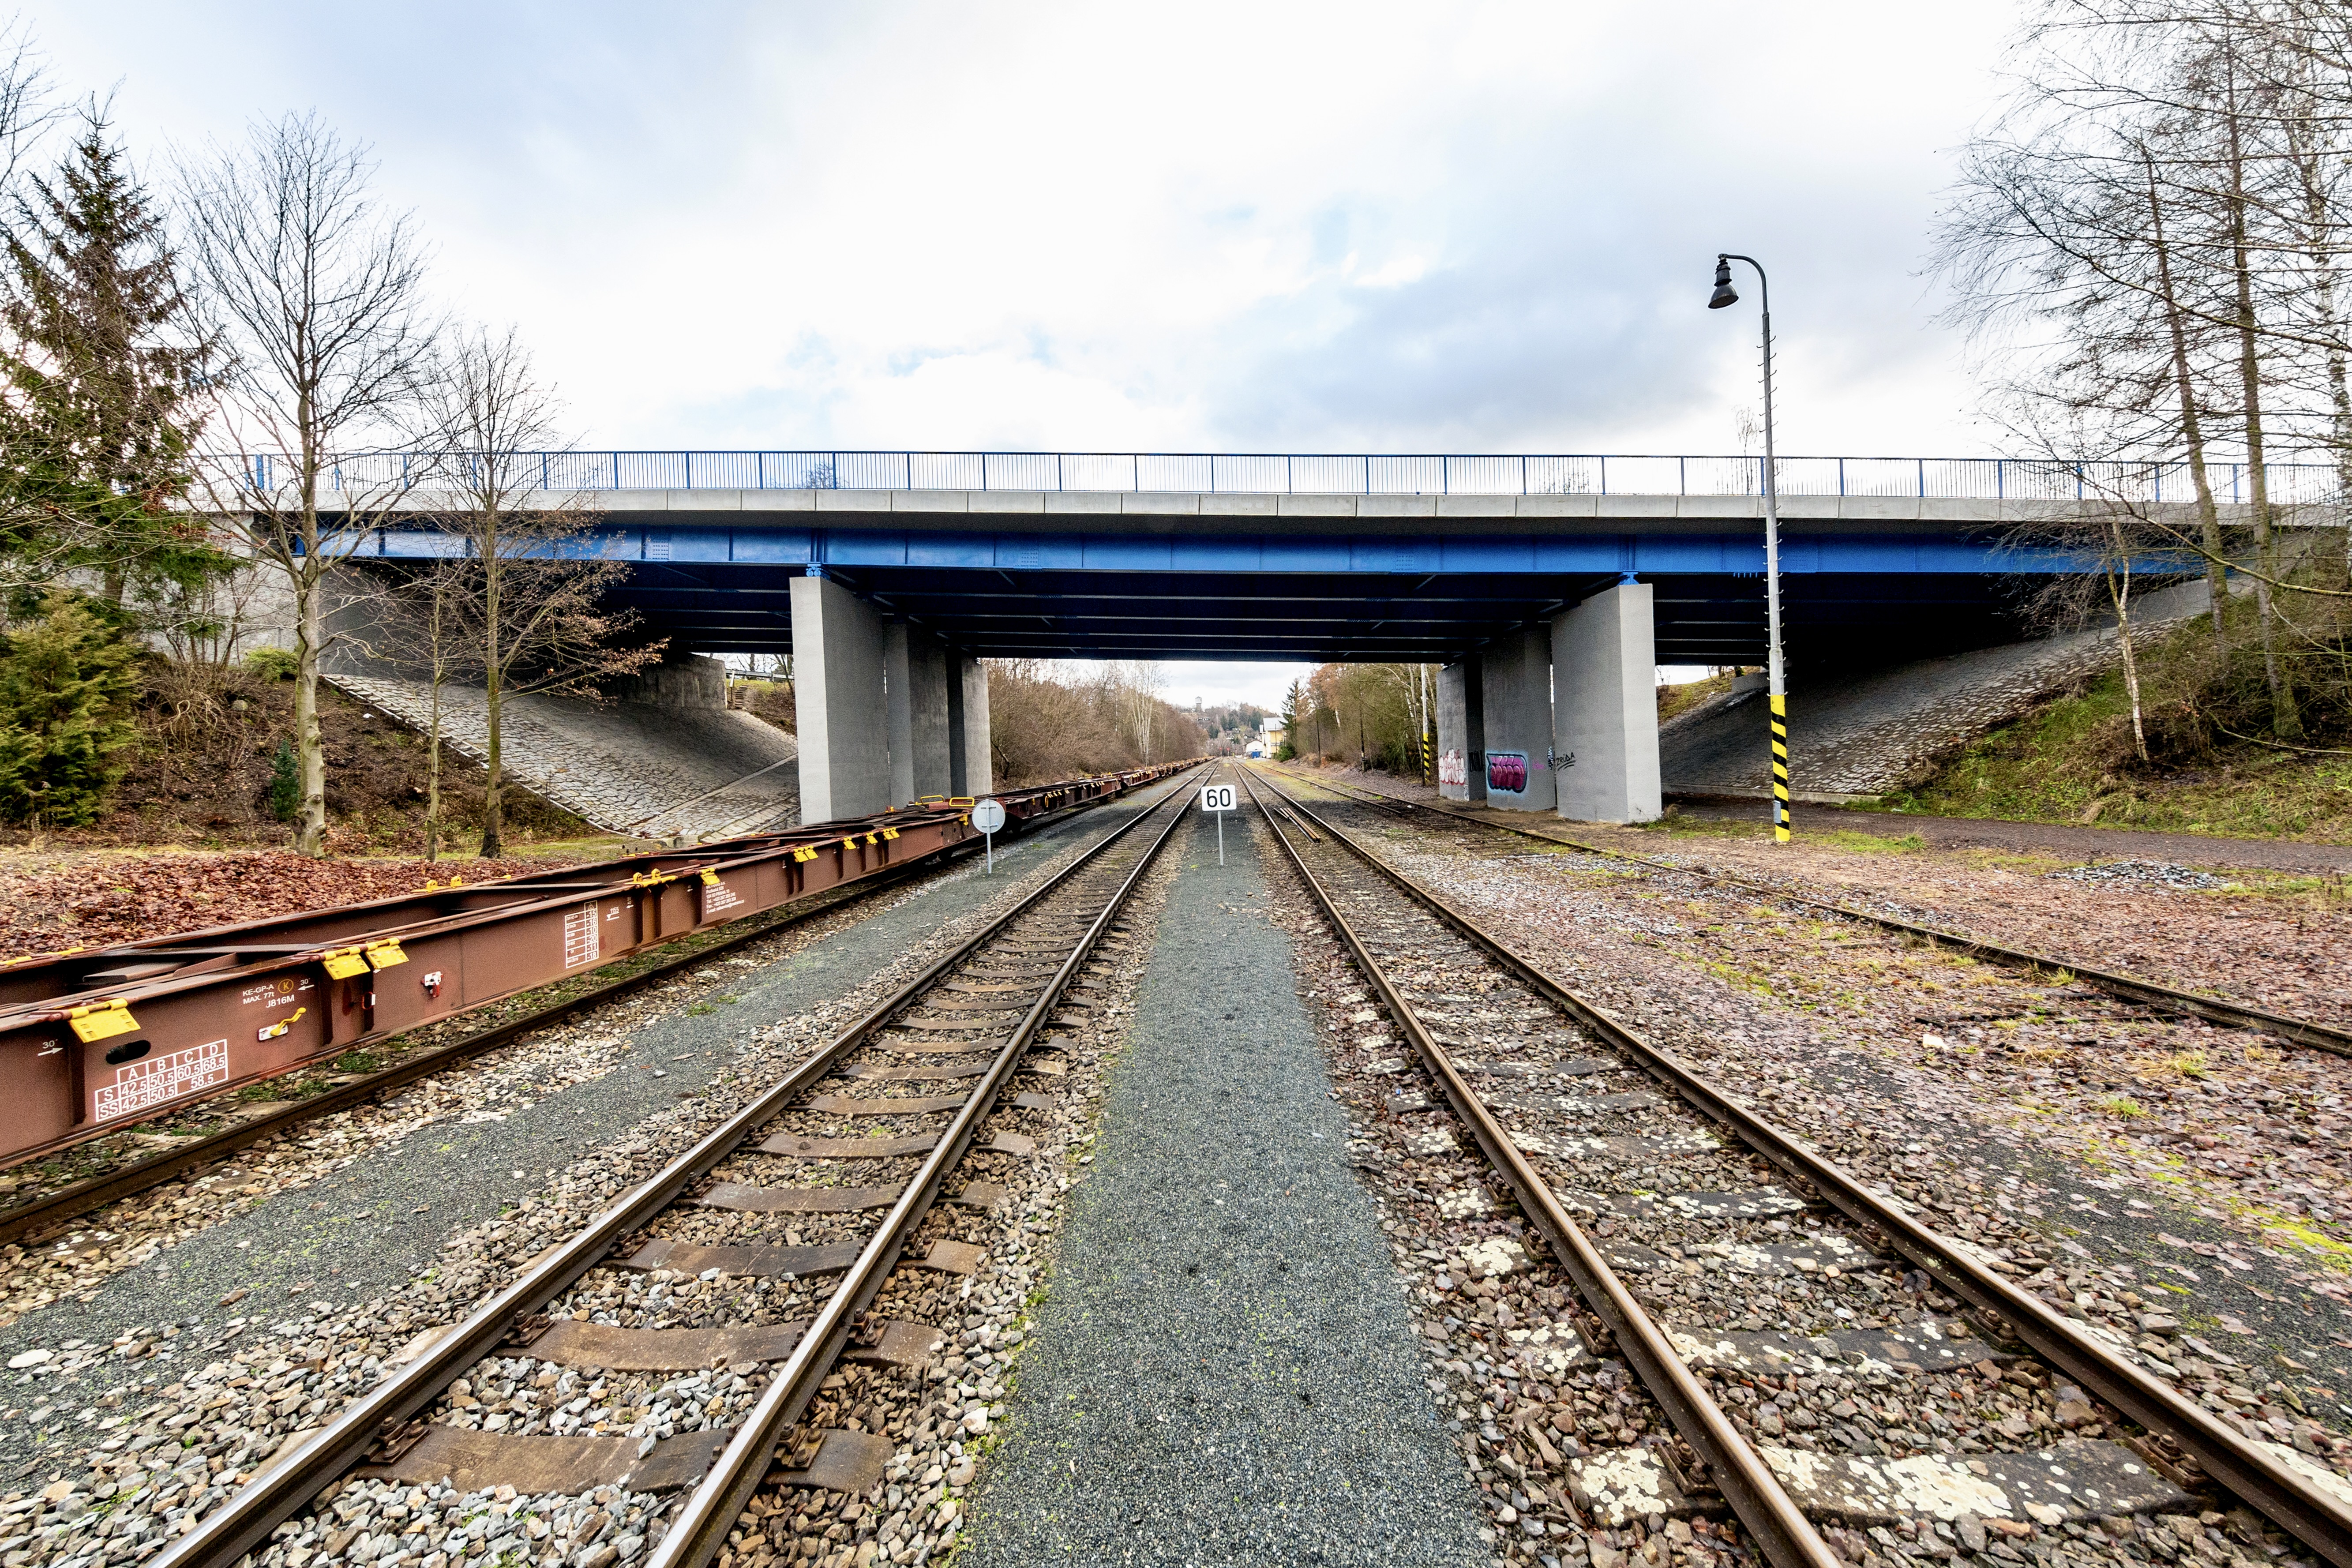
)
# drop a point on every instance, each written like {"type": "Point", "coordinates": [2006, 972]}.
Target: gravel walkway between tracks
{"type": "Point", "coordinates": [360, 1224]}
{"type": "Point", "coordinates": [1224, 1369]}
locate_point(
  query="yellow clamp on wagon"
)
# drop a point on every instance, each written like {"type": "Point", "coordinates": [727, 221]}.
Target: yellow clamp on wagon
{"type": "Point", "coordinates": [805, 852]}
{"type": "Point", "coordinates": [342, 962]}
{"type": "Point", "coordinates": [102, 1020]}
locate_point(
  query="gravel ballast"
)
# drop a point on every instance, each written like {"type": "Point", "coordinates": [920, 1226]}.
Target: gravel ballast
{"type": "Point", "coordinates": [355, 1220]}
{"type": "Point", "coordinates": [1224, 1370]}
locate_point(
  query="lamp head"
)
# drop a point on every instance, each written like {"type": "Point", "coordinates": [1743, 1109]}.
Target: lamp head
{"type": "Point", "coordinates": [1725, 294]}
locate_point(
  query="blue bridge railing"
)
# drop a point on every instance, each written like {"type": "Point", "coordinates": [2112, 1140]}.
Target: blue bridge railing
{"type": "Point", "coordinates": [1950, 478]}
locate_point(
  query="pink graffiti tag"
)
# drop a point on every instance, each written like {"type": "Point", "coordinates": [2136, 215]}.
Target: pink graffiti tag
{"type": "Point", "coordinates": [1508, 771]}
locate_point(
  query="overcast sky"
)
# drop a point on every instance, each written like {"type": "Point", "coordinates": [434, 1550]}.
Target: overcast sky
{"type": "Point", "coordinates": [1344, 228]}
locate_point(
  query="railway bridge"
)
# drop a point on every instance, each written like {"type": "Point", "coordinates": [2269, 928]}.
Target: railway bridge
{"type": "Point", "coordinates": [1548, 587]}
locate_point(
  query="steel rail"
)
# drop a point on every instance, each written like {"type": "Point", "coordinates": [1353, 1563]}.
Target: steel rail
{"type": "Point", "coordinates": [284, 1485]}
{"type": "Point", "coordinates": [1787, 1538]}
{"type": "Point", "coordinates": [37, 1219]}
{"type": "Point", "coordinates": [2312, 1517]}
{"type": "Point", "coordinates": [699, 1533]}
{"type": "Point", "coordinates": [2237, 1014]}
{"type": "Point", "coordinates": [490, 942]}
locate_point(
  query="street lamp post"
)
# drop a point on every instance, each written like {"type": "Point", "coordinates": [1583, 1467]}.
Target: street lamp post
{"type": "Point", "coordinates": [1777, 672]}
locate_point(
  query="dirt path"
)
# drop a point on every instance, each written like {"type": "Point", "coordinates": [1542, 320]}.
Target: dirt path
{"type": "Point", "coordinates": [2041, 837]}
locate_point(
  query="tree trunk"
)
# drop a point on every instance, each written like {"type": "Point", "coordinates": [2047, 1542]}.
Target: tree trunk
{"type": "Point", "coordinates": [309, 748]}
{"type": "Point", "coordinates": [2192, 426]}
{"type": "Point", "coordinates": [2119, 592]}
{"type": "Point", "coordinates": [432, 747]}
{"type": "Point", "coordinates": [2283, 719]}
{"type": "Point", "coordinates": [493, 844]}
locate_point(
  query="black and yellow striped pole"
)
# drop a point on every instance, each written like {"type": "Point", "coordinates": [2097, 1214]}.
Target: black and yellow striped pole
{"type": "Point", "coordinates": [1778, 683]}
{"type": "Point", "coordinates": [1779, 768]}
{"type": "Point", "coordinates": [1428, 758]}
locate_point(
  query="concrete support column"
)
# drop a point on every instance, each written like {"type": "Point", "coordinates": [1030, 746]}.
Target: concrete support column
{"type": "Point", "coordinates": [837, 683]}
{"type": "Point", "coordinates": [927, 685]}
{"type": "Point", "coordinates": [1604, 653]}
{"type": "Point", "coordinates": [1517, 668]}
{"type": "Point", "coordinates": [971, 767]}
{"type": "Point", "coordinates": [1460, 731]}
{"type": "Point", "coordinates": [915, 669]}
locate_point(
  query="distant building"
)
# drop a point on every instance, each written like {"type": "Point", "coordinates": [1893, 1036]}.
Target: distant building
{"type": "Point", "coordinates": [1256, 748]}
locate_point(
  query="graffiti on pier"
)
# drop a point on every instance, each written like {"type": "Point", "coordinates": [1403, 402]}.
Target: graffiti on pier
{"type": "Point", "coordinates": [1506, 773]}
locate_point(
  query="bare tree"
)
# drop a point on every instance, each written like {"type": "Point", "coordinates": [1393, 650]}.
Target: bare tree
{"type": "Point", "coordinates": [322, 296]}
{"type": "Point", "coordinates": [422, 626]}
{"type": "Point", "coordinates": [534, 584]}
{"type": "Point", "coordinates": [2148, 241]}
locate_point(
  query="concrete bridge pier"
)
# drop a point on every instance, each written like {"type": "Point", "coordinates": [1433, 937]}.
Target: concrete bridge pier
{"type": "Point", "coordinates": [1605, 713]}
{"type": "Point", "coordinates": [915, 672]}
{"type": "Point", "coordinates": [838, 643]}
{"type": "Point", "coordinates": [971, 765]}
{"type": "Point", "coordinates": [1515, 668]}
{"type": "Point", "coordinates": [887, 713]}
{"type": "Point", "coordinates": [1461, 731]}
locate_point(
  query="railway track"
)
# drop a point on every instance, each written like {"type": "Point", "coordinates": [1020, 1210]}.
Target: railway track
{"type": "Point", "coordinates": [1677, 1213]}
{"type": "Point", "coordinates": [49, 1213]}
{"type": "Point", "coordinates": [43, 1215]}
{"type": "Point", "coordinates": [2129, 987]}
{"type": "Point", "coordinates": [762, 1235]}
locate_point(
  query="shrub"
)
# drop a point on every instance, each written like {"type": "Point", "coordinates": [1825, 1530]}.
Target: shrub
{"type": "Point", "coordinates": [273, 663]}
{"type": "Point", "coordinates": [66, 683]}
{"type": "Point", "coordinates": [285, 782]}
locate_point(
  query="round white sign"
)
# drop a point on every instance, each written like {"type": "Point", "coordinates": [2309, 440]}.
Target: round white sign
{"type": "Point", "coordinates": [988, 815]}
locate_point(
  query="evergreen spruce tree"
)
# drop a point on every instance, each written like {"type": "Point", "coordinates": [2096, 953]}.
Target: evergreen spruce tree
{"type": "Point", "coordinates": [102, 365]}
{"type": "Point", "coordinates": [66, 683]}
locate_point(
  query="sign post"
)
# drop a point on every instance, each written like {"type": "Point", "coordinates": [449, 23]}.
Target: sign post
{"type": "Point", "coordinates": [989, 816]}
{"type": "Point", "coordinates": [1217, 800]}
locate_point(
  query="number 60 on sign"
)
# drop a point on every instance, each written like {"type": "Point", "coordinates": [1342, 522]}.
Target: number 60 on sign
{"type": "Point", "coordinates": [1218, 798]}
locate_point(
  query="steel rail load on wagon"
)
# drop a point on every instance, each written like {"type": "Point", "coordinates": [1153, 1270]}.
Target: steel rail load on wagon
{"type": "Point", "coordinates": [2268, 1476]}
{"type": "Point", "coordinates": [95, 1040]}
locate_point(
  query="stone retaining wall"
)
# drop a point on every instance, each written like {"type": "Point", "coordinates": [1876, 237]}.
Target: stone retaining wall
{"type": "Point", "coordinates": [627, 767]}
{"type": "Point", "coordinates": [1863, 735]}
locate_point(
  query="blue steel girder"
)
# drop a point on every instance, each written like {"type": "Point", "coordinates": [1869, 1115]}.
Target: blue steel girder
{"type": "Point", "coordinates": [1366, 590]}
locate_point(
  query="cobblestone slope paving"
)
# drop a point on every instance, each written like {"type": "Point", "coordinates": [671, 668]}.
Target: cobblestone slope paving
{"type": "Point", "coordinates": [624, 766]}
{"type": "Point", "coordinates": [1864, 734]}
{"type": "Point", "coordinates": [1224, 1370]}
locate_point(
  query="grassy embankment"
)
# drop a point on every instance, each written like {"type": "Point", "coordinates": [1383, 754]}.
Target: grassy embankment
{"type": "Point", "coordinates": [2069, 761]}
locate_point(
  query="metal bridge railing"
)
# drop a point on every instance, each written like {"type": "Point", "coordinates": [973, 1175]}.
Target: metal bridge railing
{"type": "Point", "coordinates": [1936, 478]}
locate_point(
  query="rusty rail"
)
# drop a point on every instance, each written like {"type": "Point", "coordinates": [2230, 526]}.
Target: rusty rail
{"type": "Point", "coordinates": [2131, 987]}
{"type": "Point", "coordinates": [2312, 1517]}
{"type": "Point", "coordinates": [1780, 1528]}
{"type": "Point", "coordinates": [42, 1217]}
{"type": "Point", "coordinates": [94, 1041]}
{"type": "Point", "coordinates": [243, 1519]}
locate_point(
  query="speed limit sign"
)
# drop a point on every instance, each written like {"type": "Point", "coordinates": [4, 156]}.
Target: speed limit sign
{"type": "Point", "coordinates": [988, 815]}
{"type": "Point", "coordinates": [1218, 799]}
